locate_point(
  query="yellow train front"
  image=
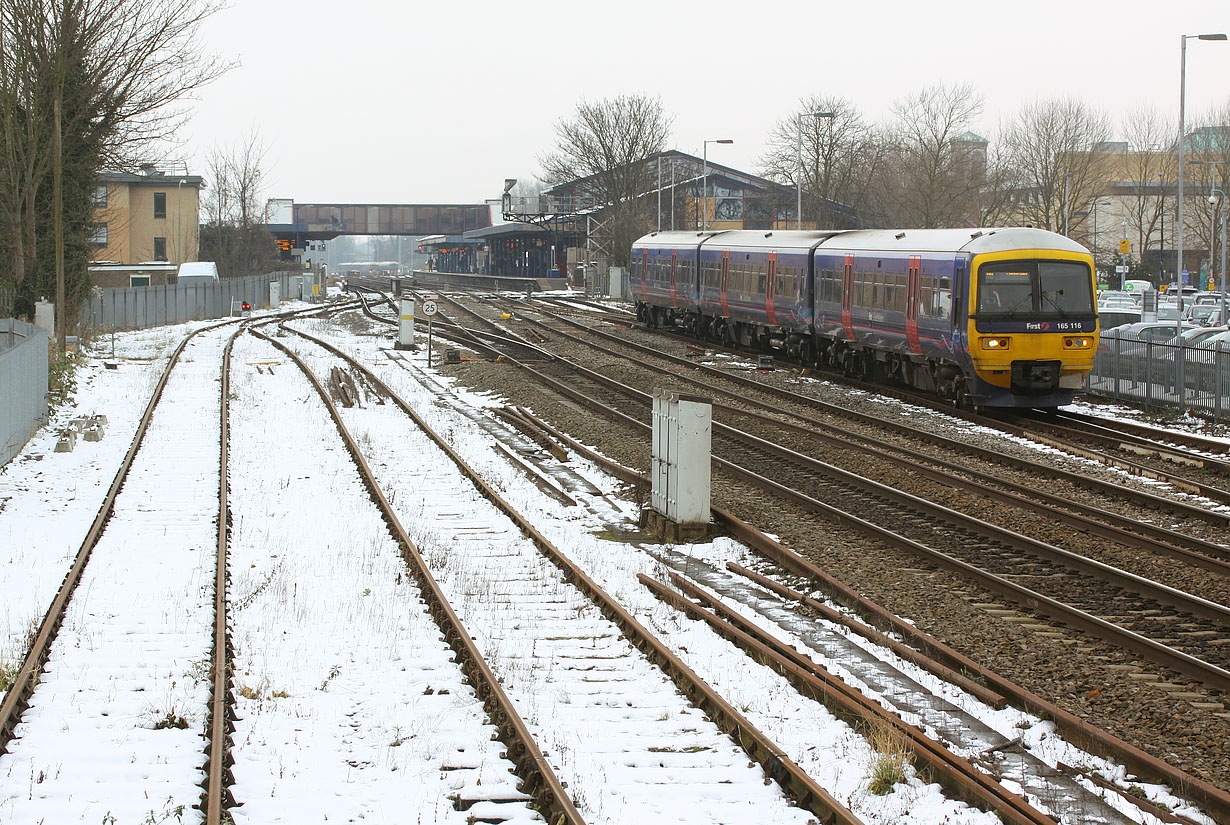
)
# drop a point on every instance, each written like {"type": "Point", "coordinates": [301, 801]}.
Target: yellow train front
{"type": "Point", "coordinates": [987, 317]}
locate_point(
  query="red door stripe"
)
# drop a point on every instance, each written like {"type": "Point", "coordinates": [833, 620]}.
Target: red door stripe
{"type": "Point", "coordinates": [911, 304]}
{"type": "Point", "coordinates": [847, 297]}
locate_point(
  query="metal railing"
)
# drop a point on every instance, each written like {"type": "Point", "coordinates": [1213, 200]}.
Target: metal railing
{"type": "Point", "coordinates": [1145, 372]}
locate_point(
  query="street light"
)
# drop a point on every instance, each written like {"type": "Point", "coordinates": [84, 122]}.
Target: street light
{"type": "Point", "coordinates": [1222, 284]}
{"type": "Point", "coordinates": [1161, 243]}
{"type": "Point", "coordinates": [798, 209]}
{"type": "Point", "coordinates": [704, 186]}
{"type": "Point", "coordinates": [1178, 273]}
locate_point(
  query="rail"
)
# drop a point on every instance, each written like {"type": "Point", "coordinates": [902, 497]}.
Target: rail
{"type": "Point", "coordinates": [801, 787]}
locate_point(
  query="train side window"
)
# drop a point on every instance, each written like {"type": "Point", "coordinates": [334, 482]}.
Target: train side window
{"type": "Point", "coordinates": [901, 292]}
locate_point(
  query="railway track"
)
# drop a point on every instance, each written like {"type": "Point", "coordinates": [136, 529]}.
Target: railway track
{"type": "Point", "coordinates": [1154, 454]}
{"type": "Point", "coordinates": [799, 616]}
{"type": "Point", "coordinates": [1164, 625]}
{"type": "Point", "coordinates": [109, 661]}
{"type": "Point", "coordinates": [570, 621]}
{"type": "Point", "coordinates": [1041, 778]}
{"type": "Point", "coordinates": [978, 483]}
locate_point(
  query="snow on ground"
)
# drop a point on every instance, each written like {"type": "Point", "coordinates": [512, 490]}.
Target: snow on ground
{"type": "Point", "coordinates": [335, 655]}
{"type": "Point", "coordinates": [113, 731]}
{"type": "Point", "coordinates": [611, 724]}
{"type": "Point", "coordinates": [350, 706]}
{"type": "Point", "coordinates": [49, 499]}
{"type": "Point", "coordinates": [838, 758]}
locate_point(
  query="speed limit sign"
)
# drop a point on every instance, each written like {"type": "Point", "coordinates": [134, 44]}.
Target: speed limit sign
{"type": "Point", "coordinates": [429, 307]}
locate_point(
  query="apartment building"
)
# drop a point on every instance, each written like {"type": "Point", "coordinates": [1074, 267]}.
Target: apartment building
{"type": "Point", "coordinates": [151, 216]}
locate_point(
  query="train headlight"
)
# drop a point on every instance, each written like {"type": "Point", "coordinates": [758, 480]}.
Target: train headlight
{"type": "Point", "coordinates": [996, 343]}
{"type": "Point", "coordinates": [1077, 342]}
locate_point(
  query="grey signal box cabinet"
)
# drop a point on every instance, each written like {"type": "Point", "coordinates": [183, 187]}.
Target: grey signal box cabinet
{"type": "Point", "coordinates": [682, 435]}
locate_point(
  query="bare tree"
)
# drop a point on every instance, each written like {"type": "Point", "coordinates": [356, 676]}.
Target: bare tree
{"type": "Point", "coordinates": [1150, 165]}
{"type": "Point", "coordinates": [1052, 147]}
{"type": "Point", "coordinates": [1208, 159]}
{"type": "Point", "coordinates": [603, 147]}
{"type": "Point", "coordinates": [832, 158]}
{"type": "Point", "coordinates": [233, 235]}
{"type": "Point", "coordinates": [114, 70]}
{"type": "Point", "coordinates": [934, 167]}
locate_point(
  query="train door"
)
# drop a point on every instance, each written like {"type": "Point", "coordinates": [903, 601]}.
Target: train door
{"type": "Point", "coordinates": [724, 283]}
{"type": "Point", "coordinates": [674, 269]}
{"type": "Point", "coordinates": [847, 297]}
{"type": "Point", "coordinates": [644, 275]}
{"type": "Point", "coordinates": [770, 291]}
{"type": "Point", "coordinates": [912, 301]}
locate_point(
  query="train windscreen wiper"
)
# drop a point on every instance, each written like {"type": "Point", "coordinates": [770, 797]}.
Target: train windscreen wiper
{"type": "Point", "coordinates": [1047, 297]}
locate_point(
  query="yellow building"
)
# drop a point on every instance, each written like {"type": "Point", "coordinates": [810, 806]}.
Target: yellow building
{"type": "Point", "coordinates": [152, 216]}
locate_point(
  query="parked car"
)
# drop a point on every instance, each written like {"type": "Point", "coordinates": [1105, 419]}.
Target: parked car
{"type": "Point", "coordinates": [1208, 370]}
{"type": "Point", "coordinates": [1206, 315]}
{"type": "Point", "coordinates": [1111, 318]}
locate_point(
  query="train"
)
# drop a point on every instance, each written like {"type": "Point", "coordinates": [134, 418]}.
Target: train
{"type": "Point", "coordinates": [990, 317]}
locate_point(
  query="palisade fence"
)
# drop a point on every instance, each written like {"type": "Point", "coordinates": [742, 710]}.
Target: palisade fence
{"type": "Point", "coordinates": [141, 307]}
{"type": "Point", "coordinates": [1145, 372]}
{"type": "Point", "coordinates": [23, 377]}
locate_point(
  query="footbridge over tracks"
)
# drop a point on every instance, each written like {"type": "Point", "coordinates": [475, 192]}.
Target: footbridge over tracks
{"type": "Point", "coordinates": [295, 224]}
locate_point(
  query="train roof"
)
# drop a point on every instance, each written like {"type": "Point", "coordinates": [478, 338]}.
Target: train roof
{"type": "Point", "coordinates": [669, 239]}
{"type": "Point", "coordinates": [973, 241]}
{"type": "Point", "coordinates": [775, 238]}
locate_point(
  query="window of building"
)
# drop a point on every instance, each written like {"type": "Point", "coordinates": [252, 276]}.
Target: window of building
{"type": "Point", "coordinates": [98, 235]}
{"type": "Point", "coordinates": [160, 249]}
{"type": "Point", "coordinates": [100, 196]}
{"type": "Point", "coordinates": [160, 204]}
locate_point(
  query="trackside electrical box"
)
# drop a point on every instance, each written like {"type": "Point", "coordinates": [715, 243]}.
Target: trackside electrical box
{"type": "Point", "coordinates": [405, 327]}
{"type": "Point", "coordinates": [680, 492]}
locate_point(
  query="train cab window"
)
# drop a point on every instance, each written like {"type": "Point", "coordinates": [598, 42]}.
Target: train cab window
{"type": "Point", "coordinates": [1046, 288]}
{"type": "Point", "coordinates": [1005, 291]}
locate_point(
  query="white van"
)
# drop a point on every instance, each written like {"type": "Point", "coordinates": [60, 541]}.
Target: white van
{"type": "Point", "coordinates": [198, 272]}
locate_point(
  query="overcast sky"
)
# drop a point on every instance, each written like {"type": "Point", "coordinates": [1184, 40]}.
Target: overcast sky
{"type": "Point", "coordinates": [388, 101]}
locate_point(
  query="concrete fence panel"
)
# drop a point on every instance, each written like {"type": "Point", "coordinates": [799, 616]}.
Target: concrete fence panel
{"type": "Point", "coordinates": [23, 377]}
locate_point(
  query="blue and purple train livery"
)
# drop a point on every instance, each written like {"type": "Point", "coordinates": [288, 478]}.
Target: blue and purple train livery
{"type": "Point", "coordinates": [992, 317]}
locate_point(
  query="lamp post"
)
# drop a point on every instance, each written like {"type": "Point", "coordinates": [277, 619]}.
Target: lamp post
{"type": "Point", "coordinates": [1222, 283]}
{"type": "Point", "coordinates": [704, 186]}
{"type": "Point", "coordinates": [798, 209]}
{"type": "Point", "coordinates": [1161, 243]}
{"type": "Point", "coordinates": [1178, 274]}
